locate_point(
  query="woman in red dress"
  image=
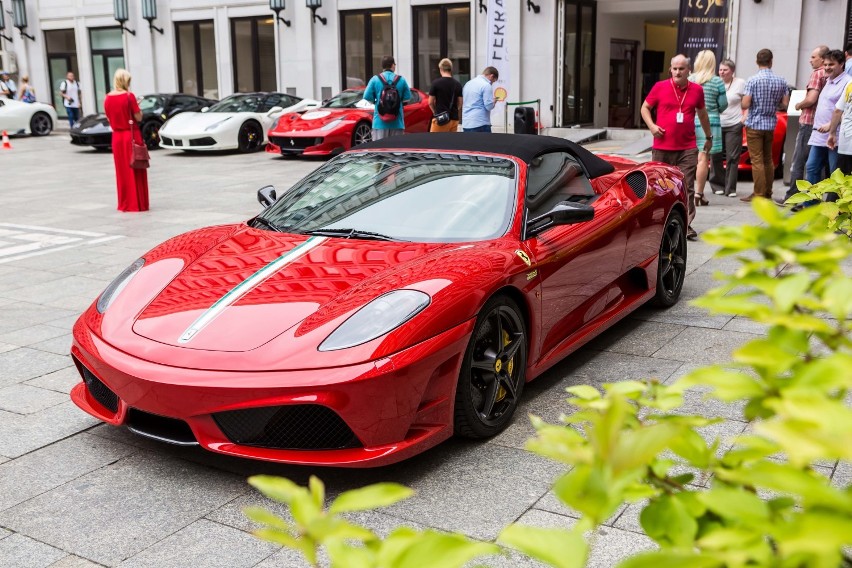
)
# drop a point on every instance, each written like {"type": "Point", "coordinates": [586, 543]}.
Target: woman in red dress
{"type": "Point", "coordinates": [121, 110]}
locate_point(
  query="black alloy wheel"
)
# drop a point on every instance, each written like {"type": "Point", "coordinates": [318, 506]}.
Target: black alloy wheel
{"type": "Point", "coordinates": [41, 124]}
{"type": "Point", "coordinates": [671, 268]}
{"type": "Point", "coordinates": [363, 133]}
{"type": "Point", "coordinates": [151, 133]}
{"type": "Point", "coordinates": [493, 371]}
{"type": "Point", "coordinates": [250, 137]}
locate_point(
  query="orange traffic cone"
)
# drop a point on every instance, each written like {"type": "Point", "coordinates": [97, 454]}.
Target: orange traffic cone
{"type": "Point", "coordinates": [6, 144]}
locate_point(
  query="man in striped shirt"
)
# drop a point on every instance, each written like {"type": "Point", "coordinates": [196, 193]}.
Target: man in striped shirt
{"type": "Point", "coordinates": [764, 92]}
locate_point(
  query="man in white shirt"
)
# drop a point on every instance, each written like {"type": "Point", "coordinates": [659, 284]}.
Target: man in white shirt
{"type": "Point", "coordinates": [7, 86]}
{"type": "Point", "coordinates": [70, 90]}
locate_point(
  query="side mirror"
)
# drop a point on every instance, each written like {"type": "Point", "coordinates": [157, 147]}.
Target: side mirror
{"type": "Point", "coordinates": [266, 195]}
{"type": "Point", "coordinates": [274, 110]}
{"type": "Point", "coordinates": [205, 109]}
{"type": "Point", "coordinates": [563, 213]}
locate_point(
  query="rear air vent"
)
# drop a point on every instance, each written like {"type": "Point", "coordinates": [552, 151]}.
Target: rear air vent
{"type": "Point", "coordinates": [638, 183]}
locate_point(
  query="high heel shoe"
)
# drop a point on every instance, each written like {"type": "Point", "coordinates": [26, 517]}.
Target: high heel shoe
{"type": "Point", "coordinates": [700, 201]}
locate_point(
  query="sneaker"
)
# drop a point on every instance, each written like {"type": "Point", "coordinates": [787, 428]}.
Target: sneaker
{"type": "Point", "coordinates": [779, 201]}
{"type": "Point", "coordinates": [732, 194]}
{"type": "Point", "coordinates": [719, 192]}
{"type": "Point", "coordinates": [691, 234]}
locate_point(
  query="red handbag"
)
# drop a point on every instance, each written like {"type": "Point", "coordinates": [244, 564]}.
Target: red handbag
{"type": "Point", "coordinates": [139, 157]}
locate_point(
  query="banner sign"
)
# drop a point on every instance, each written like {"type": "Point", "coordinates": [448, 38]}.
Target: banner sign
{"type": "Point", "coordinates": [702, 25]}
{"type": "Point", "coordinates": [498, 55]}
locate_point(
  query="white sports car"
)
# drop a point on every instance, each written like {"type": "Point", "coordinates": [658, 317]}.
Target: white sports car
{"type": "Point", "coordinates": [18, 117]}
{"type": "Point", "coordinates": [240, 122]}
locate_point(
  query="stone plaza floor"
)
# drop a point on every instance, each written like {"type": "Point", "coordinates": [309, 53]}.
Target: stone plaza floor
{"type": "Point", "coordinates": [77, 493]}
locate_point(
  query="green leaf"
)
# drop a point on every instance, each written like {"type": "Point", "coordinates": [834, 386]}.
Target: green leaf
{"type": "Point", "coordinates": [585, 392]}
{"type": "Point", "coordinates": [692, 447]}
{"type": "Point", "coordinates": [317, 490]}
{"type": "Point", "coordinates": [264, 517]}
{"type": "Point", "coordinates": [626, 388]}
{"type": "Point", "coordinates": [276, 488]}
{"type": "Point", "coordinates": [670, 559]}
{"type": "Point", "coordinates": [766, 210]}
{"type": "Point", "coordinates": [555, 547]}
{"type": "Point", "coordinates": [636, 448]}
{"type": "Point", "coordinates": [279, 537]}
{"type": "Point", "coordinates": [727, 385]}
{"type": "Point", "coordinates": [728, 538]}
{"type": "Point", "coordinates": [790, 289]}
{"type": "Point", "coordinates": [370, 497]}
{"type": "Point", "coordinates": [736, 504]}
{"type": "Point", "coordinates": [304, 509]}
{"type": "Point", "coordinates": [838, 298]}
{"type": "Point", "coordinates": [343, 555]}
{"type": "Point", "coordinates": [668, 522]}
{"type": "Point", "coordinates": [445, 550]}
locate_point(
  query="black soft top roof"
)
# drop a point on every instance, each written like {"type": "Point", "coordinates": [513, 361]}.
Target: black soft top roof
{"type": "Point", "coordinates": [523, 146]}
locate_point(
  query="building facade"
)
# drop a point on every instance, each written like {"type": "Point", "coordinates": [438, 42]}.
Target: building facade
{"type": "Point", "coordinates": [586, 60]}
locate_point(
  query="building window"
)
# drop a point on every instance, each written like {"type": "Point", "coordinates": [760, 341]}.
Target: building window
{"type": "Point", "coordinates": [196, 48]}
{"type": "Point", "coordinates": [107, 56]}
{"type": "Point", "coordinates": [61, 58]}
{"type": "Point", "coordinates": [441, 31]}
{"type": "Point", "coordinates": [253, 41]}
{"type": "Point", "coordinates": [575, 64]}
{"type": "Point", "coordinates": [365, 37]}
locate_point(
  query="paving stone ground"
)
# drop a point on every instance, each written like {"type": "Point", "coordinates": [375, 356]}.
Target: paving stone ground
{"type": "Point", "coordinates": [75, 493]}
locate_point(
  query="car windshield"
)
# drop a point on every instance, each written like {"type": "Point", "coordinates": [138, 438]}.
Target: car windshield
{"type": "Point", "coordinates": [150, 102]}
{"type": "Point", "coordinates": [239, 103]}
{"type": "Point", "coordinates": [404, 196]}
{"type": "Point", "coordinates": [345, 99]}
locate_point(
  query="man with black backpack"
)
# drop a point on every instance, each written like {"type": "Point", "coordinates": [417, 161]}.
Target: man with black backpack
{"type": "Point", "coordinates": [387, 91]}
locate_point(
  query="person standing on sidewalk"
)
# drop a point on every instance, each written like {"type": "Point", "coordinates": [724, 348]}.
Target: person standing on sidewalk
{"type": "Point", "coordinates": [445, 99]}
{"type": "Point", "coordinates": [715, 101]}
{"type": "Point", "coordinates": [723, 178]}
{"type": "Point", "coordinates": [387, 89]}
{"type": "Point", "coordinates": [806, 120]}
{"type": "Point", "coordinates": [479, 101]}
{"type": "Point", "coordinates": [71, 92]}
{"type": "Point", "coordinates": [764, 92]}
{"type": "Point", "coordinates": [678, 101]}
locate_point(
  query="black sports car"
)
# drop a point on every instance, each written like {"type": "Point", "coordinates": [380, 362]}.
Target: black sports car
{"type": "Point", "coordinates": [94, 130]}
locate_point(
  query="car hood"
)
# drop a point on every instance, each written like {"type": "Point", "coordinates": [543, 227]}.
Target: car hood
{"type": "Point", "coordinates": [317, 118]}
{"type": "Point", "coordinates": [93, 120]}
{"type": "Point", "coordinates": [195, 122]}
{"type": "Point", "coordinates": [239, 298]}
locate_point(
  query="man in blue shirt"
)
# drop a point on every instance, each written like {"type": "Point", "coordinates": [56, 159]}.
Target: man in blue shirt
{"type": "Point", "coordinates": [478, 96]}
{"type": "Point", "coordinates": [383, 128]}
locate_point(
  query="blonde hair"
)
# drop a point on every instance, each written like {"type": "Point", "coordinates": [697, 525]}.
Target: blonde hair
{"type": "Point", "coordinates": [121, 80]}
{"type": "Point", "coordinates": [705, 67]}
{"type": "Point", "coordinates": [445, 65]}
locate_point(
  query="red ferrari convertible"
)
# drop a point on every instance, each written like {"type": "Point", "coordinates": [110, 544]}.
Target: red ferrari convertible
{"type": "Point", "coordinates": [342, 122]}
{"type": "Point", "coordinates": [402, 292]}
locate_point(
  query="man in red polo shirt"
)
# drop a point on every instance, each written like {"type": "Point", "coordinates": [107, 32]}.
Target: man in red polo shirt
{"type": "Point", "coordinates": [677, 101]}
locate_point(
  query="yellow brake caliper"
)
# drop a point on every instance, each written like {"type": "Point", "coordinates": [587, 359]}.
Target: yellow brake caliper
{"type": "Point", "coordinates": [501, 391]}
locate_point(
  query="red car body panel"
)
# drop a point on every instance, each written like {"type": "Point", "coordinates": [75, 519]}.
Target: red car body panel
{"type": "Point", "coordinates": [303, 133]}
{"type": "Point", "coordinates": [778, 138]}
{"type": "Point", "coordinates": [396, 393]}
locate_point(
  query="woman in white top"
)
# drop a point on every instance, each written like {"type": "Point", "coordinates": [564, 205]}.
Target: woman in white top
{"type": "Point", "coordinates": [723, 179]}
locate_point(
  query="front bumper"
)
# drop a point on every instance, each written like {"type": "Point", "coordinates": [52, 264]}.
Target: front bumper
{"type": "Point", "coordinates": [394, 407]}
{"type": "Point", "coordinates": [308, 143]}
{"type": "Point", "coordinates": [193, 142]}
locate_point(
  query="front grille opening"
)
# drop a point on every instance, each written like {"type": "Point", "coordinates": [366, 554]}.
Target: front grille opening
{"type": "Point", "coordinates": [291, 427]}
{"type": "Point", "coordinates": [167, 140]}
{"type": "Point", "coordinates": [160, 428]}
{"type": "Point", "coordinates": [206, 141]}
{"type": "Point", "coordinates": [97, 389]}
{"type": "Point", "coordinates": [638, 183]}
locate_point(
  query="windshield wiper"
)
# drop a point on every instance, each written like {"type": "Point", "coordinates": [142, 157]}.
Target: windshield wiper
{"type": "Point", "coordinates": [351, 234]}
{"type": "Point", "coordinates": [268, 223]}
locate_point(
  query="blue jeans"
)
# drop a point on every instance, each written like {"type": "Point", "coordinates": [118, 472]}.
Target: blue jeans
{"type": "Point", "coordinates": [483, 128]}
{"type": "Point", "coordinates": [817, 159]}
{"type": "Point", "coordinates": [73, 115]}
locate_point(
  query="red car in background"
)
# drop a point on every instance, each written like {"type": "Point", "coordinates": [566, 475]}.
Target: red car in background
{"type": "Point", "coordinates": [778, 138]}
{"type": "Point", "coordinates": [344, 121]}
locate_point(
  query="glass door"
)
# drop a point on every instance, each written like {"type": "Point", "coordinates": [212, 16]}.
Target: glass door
{"type": "Point", "coordinates": [196, 48]}
{"type": "Point", "coordinates": [575, 77]}
{"type": "Point", "coordinates": [365, 37]}
{"type": "Point", "coordinates": [441, 31]}
{"type": "Point", "coordinates": [107, 57]}
{"type": "Point", "coordinates": [61, 58]}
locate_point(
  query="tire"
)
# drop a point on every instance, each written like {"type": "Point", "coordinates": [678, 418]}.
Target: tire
{"type": "Point", "coordinates": [41, 124]}
{"type": "Point", "coordinates": [362, 133]}
{"type": "Point", "coordinates": [151, 133]}
{"type": "Point", "coordinates": [493, 371]}
{"type": "Point", "coordinates": [250, 137]}
{"type": "Point", "coordinates": [671, 268]}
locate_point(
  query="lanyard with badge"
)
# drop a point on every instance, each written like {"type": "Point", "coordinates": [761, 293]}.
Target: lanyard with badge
{"type": "Point", "coordinates": [679, 115]}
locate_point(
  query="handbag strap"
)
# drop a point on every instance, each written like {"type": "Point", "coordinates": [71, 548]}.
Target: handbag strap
{"type": "Point", "coordinates": [130, 109]}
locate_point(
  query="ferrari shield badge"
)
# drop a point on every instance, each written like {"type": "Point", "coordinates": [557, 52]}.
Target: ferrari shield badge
{"type": "Point", "coordinates": [523, 256]}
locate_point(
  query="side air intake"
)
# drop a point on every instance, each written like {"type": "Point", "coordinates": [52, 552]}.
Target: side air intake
{"type": "Point", "coordinates": [638, 183]}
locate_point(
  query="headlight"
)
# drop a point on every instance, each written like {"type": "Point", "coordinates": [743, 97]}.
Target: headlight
{"type": "Point", "coordinates": [384, 314]}
{"type": "Point", "coordinates": [216, 125]}
{"type": "Point", "coordinates": [332, 124]}
{"type": "Point", "coordinates": [116, 286]}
